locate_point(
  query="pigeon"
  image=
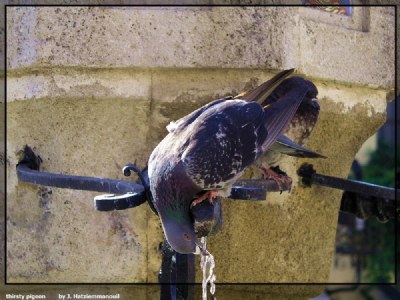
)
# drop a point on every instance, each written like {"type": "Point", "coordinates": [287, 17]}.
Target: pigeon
{"type": "Point", "coordinates": [206, 151]}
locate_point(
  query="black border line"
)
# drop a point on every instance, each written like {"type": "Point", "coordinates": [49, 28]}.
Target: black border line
{"type": "Point", "coordinates": [5, 145]}
{"type": "Point", "coordinates": [396, 219]}
{"type": "Point", "coordinates": [196, 5]}
{"type": "Point", "coordinates": [154, 283]}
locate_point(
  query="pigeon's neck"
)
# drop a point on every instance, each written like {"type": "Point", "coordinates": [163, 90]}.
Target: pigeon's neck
{"type": "Point", "coordinates": [174, 190]}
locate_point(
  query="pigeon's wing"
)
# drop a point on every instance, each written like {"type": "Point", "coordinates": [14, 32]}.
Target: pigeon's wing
{"type": "Point", "coordinates": [228, 137]}
{"type": "Point", "coordinates": [286, 146]}
{"type": "Point", "coordinates": [260, 93]}
{"type": "Point", "coordinates": [185, 121]}
{"type": "Point", "coordinates": [224, 141]}
{"type": "Point", "coordinates": [279, 114]}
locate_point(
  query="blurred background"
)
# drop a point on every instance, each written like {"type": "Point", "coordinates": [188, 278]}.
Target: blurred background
{"type": "Point", "coordinates": [365, 249]}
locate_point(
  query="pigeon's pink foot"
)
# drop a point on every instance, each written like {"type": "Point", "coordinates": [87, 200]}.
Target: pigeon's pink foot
{"type": "Point", "coordinates": [283, 181]}
{"type": "Point", "coordinates": [210, 195]}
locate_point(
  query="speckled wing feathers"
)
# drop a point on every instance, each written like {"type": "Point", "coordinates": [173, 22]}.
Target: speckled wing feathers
{"type": "Point", "coordinates": [224, 142]}
{"type": "Point", "coordinates": [229, 135]}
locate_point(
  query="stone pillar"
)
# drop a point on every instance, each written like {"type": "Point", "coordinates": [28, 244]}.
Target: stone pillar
{"type": "Point", "coordinates": [92, 89]}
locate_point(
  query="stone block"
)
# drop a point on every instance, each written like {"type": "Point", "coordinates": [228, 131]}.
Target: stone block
{"type": "Point", "coordinates": [143, 37]}
{"type": "Point", "coordinates": [331, 51]}
{"type": "Point", "coordinates": [206, 37]}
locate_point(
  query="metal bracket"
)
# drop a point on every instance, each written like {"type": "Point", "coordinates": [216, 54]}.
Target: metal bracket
{"type": "Point", "coordinates": [28, 171]}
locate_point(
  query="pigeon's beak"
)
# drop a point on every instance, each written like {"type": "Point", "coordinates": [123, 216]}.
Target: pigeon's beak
{"type": "Point", "coordinates": [314, 103]}
{"type": "Point", "coordinates": [180, 235]}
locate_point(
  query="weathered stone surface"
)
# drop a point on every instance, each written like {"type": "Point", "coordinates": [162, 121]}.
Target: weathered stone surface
{"type": "Point", "coordinates": [177, 37]}
{"type": "Point", "coordinates": [56, 234]}
{"type": "Point", "coordinates": [331, 51]}
{"type": "Point", "coordinates": [70, 83]}
{"type": "Point", "coordinates": [259, 37]}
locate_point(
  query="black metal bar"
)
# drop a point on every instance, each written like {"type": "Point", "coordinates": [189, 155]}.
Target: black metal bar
{"type": "Point", "coordinates": [144, 179]}
{"type": "Point", "coordinates": [254, 189]}
{"type": "Point", "coordinates": [248, 193]}
{"type": "Point", "coordinates": [168, 290]}
{"type": "Point", "coordinates": [311, 177]}
{"type": "Point", "coordinates": [185, 276]}
{"type": "Point", "coordinates": [85, 183]}
{"type": "Point", "coordinates": [118, 202]}
{"type": "Point", "coordinates": [242, 190]}
{"type": "Point", "coordinates": [262, 184]}
{"type": "Point", "coordinates": [177, 274]}
{"type": "Point", "coordinates": [363, 206]}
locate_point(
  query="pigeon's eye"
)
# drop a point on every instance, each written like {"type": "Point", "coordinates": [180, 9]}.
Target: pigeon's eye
{"type": "Point", "coordinates": [186, 237]}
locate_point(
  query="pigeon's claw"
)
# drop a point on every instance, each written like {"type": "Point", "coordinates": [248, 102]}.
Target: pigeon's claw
{"type": "Point", "coordinates": [210, 195]}
{"type": "Point", "coordinates": [277, 175]}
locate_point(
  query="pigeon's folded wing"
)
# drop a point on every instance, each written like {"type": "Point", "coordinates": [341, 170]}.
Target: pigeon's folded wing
{"type": "Point", "coordinates": [225, 140]}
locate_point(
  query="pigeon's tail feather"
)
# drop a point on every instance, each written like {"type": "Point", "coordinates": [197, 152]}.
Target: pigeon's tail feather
{"type": "Point", "coordinates": [287, 146]}
{"type": "Point", "coordinates": [278, 115]}
{"type": "Point", "coordinates": [260, 93]}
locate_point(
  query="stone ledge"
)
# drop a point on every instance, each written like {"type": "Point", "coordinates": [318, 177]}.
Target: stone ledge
{"type": "Point", "coordinates": [169, 86]}
{"type": "Point", "coordinates": [107, 83]}
{"type": "Point", "coordinates": [263, 37]}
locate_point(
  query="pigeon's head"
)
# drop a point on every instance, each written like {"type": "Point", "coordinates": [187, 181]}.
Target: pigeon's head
{"type": "Point", "coordinates": [309, 106]}
{"type": "Point", "coordinates": [180, 235]}
{"type": "Point", "coordinates": [172, 193]}
{"type": "Point", "coordinates": [306, 116]}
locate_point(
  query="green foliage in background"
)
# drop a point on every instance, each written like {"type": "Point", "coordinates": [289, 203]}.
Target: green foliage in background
{"type": "Point", "coordinates": [381, 170]}
{"type": "Point", "coordinates": [381, 167]}
{"type": "Point", "coordinates": [381, 264]}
